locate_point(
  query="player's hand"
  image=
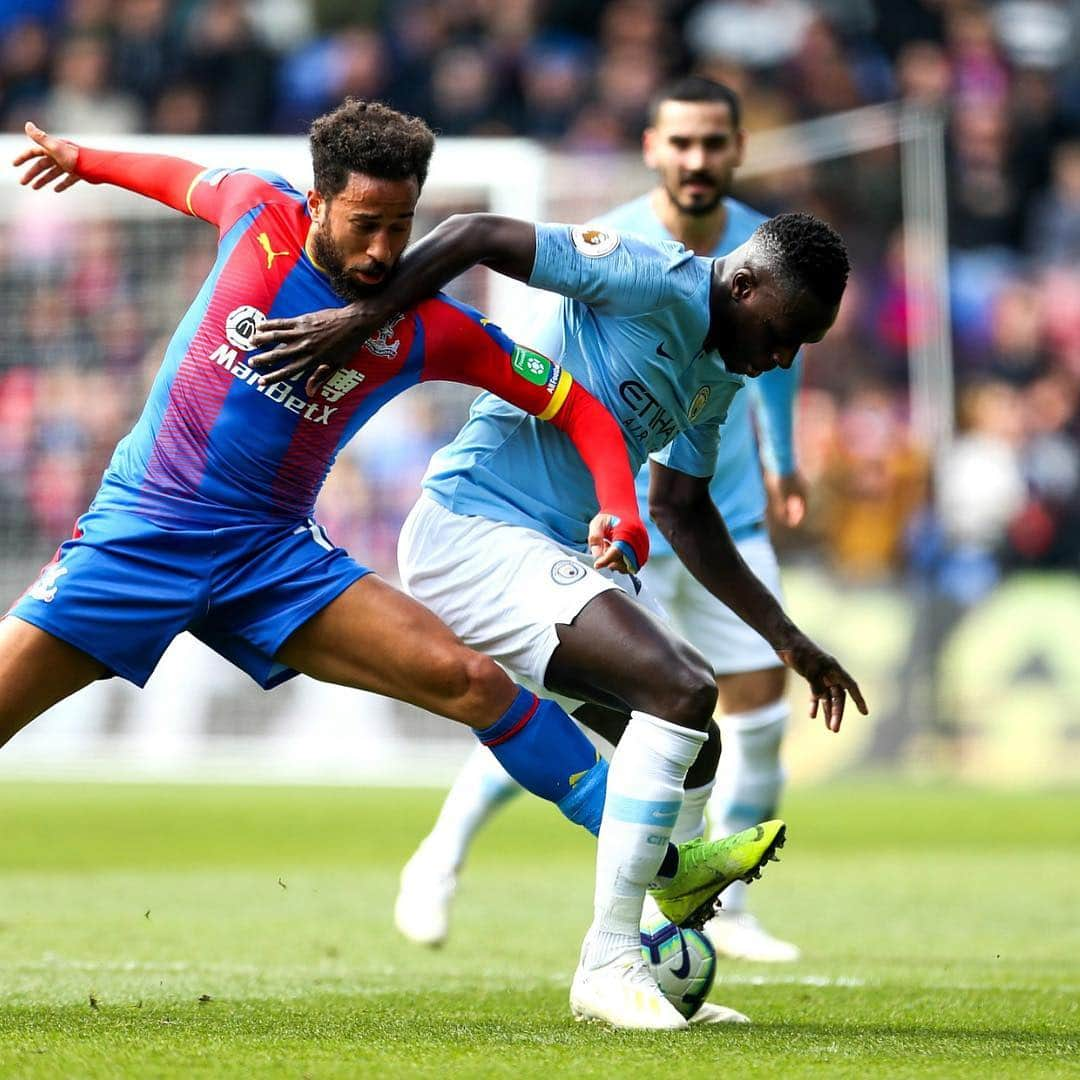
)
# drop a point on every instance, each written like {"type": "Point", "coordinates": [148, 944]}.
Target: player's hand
{"type": "Point", "coordinates": [50, 159]}
{"type": "Point", "coordinates": [829, 682]}
{"type": "Point", "coordinates": [787, 498]}
{"type": "Point", "coordinates": [318, 343]}
{"type": "Point", "coordinates": [618, 544]}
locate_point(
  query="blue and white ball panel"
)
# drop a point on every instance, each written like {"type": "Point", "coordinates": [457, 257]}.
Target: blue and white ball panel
{"type": "Point", "coordinates": [682, 961]}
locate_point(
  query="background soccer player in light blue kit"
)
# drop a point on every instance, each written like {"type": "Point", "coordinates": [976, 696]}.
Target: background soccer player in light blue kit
{"type": "Point", "coordinates": [695, 144]}
{"type": "Point", "coordinates": [665, 340]}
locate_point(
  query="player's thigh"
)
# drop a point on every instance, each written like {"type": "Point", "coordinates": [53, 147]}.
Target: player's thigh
{"type": "Point", "coordinates": [540, 610]}
{"type": "Point", "coordinates": [502, 588]}
{"type": "Point", "coordinates": [616, 648]}
{"type": "Point", "coordinates": [373, 637]}
{"type": "Point", "coordinates": [748, 690]}
{"type": "Point", "coordinates": [37, 670]}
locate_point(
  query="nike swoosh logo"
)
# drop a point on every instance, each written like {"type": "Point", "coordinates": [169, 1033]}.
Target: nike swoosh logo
{"type": "Point", "coordinates": [684, 967]}
{"type": "Point", "coordinates": [661, 351]}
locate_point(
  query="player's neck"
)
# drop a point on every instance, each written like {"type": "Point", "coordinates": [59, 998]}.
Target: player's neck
{"type": "Point", "coordinates": [699, 233]}
{"type": "Point", "coordinates": [309, 249]}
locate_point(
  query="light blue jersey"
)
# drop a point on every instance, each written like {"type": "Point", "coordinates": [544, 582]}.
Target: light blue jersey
{"type": "Point", "coordinates": [630, 329]}
{"type": "Point", "coordinates": [737, 488]}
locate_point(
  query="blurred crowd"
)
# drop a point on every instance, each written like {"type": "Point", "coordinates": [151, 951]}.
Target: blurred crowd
{"type": "Point", "coordinates": [86, 314]}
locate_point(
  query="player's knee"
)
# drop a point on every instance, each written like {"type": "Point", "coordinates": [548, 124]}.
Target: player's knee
{"type": "Point", "coordinates": [703, 771]}
{"type": "Point", "coordinates": [487, 682]}
{"type": "Point", "coordinates": [467, 679]}
{"type": "Point", "coordinates": [689, 694]}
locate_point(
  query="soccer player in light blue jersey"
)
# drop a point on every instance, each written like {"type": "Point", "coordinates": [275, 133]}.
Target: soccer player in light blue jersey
{"type": "Point", "coordinates": [665, 339]}
{"type": "Point", "coordinates": [695, 143]}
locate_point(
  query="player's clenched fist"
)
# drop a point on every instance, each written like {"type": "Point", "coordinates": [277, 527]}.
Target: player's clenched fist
{"type": "Point", "coordinates": [50, 159]}
{"type": "Point", "coordinates": [619, 544]}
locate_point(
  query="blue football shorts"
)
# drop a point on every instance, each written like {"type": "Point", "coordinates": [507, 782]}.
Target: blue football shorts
{"type": "Point", "coordinates": [122, 588]}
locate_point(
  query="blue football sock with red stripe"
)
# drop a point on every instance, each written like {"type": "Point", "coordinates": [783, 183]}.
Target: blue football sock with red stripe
{"type": "Point", "coordinates": [538, 744]}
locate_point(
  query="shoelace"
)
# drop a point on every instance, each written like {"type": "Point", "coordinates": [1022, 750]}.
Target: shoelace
{"type": "Point", "coordinates": [641, 976]}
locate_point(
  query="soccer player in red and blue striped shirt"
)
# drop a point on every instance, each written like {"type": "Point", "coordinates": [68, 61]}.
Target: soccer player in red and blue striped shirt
{"type": "Point", "coordinates": [203, 521]}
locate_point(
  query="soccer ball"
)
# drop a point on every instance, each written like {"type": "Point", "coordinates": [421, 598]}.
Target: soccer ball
{"type": "Point", "coordinates": [683, 962]}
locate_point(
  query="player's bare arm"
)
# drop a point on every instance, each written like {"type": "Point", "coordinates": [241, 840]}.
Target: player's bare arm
{"type": "Point", "coordinates": [685, 513]}
{"type": "Point", "coordinates": [329, 338]}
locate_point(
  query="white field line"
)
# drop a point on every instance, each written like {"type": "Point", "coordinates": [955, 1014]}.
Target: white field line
{"type": "Point", "coordinates": [840, 982]}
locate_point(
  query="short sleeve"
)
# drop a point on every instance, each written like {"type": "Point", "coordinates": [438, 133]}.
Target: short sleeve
{"type": "Point", "coordinates": [223, 196]}
{"type": "Point", "coordinates": [618, 274]}
{"type": "Point", "coordinates": [694, 452]}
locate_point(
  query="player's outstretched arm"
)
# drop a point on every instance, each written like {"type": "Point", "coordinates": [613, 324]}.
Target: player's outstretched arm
{"type": "Point", "coordinates": [331, 337]}
{"type": "Point", "coordinates": [50, 159]}
{"type": "Point", "coordinates": [685, 513]}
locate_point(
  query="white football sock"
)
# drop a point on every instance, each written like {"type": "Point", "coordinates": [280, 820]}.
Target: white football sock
{"type": "Point", "coordinates": [691, 821]}
{"type": "Point", "coordinates": [749, 778]}
{"type": "Point", "coordinates": [480, 788]}
{"type": "Point", "coordinates": [644, 794]}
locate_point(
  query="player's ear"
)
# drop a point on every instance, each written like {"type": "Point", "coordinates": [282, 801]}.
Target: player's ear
{"type": "Point", "coordinates": [743, 283]}
{"type": "Point", "coordinates": [740, 146]}
{"type": "Point", "coordinates": [316, 205]}
{"type": "Point", "coordinates": [648, 147]}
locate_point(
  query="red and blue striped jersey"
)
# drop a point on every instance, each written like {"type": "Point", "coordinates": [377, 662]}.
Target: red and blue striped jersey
{"type": "Point", "coordinates": [211, 446]}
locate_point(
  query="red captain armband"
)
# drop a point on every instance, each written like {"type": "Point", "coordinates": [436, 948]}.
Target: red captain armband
{"type": "Point", "coordinates": [599, 440]}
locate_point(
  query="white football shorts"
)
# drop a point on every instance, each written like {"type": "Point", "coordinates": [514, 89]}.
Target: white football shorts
{"type": "Point", "coordinates": [503, 589]}
{"type": "Point", "coordinates": [710, 626]}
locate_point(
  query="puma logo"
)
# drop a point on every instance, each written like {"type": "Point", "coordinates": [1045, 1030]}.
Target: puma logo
{"type": "Point", "coordinates": [271, 254]}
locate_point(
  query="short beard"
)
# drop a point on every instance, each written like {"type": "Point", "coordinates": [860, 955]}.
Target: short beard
{"type": "Point", "coordinates": [330, 261]}
{"type": "Point", "coordinates": [702, 209]}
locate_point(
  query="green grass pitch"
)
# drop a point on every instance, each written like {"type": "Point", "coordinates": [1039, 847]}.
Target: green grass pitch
{"type": "Point", "coordinates": [245, 932]}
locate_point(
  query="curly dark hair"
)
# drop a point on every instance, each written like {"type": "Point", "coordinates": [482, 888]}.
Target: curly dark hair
{"type": "Point", "coordinates": [368, 137]}
{"type": "Point", "coordinates": [810, 251]}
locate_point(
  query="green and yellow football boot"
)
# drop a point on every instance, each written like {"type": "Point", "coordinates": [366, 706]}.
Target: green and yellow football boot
{"type": "Point", "coordinates": [708, 867]}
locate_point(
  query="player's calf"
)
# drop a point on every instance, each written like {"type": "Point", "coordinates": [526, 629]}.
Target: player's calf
{"type": "Point", "coordinates": [703, 771]}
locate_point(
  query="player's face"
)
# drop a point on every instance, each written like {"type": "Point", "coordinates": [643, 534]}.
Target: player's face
{"type": "Point", "coordinates": [359, 234]}
{"type": "Point", "coordinates": [695, 148]}
{"type": "Point", "coordinates": [770, 323]}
